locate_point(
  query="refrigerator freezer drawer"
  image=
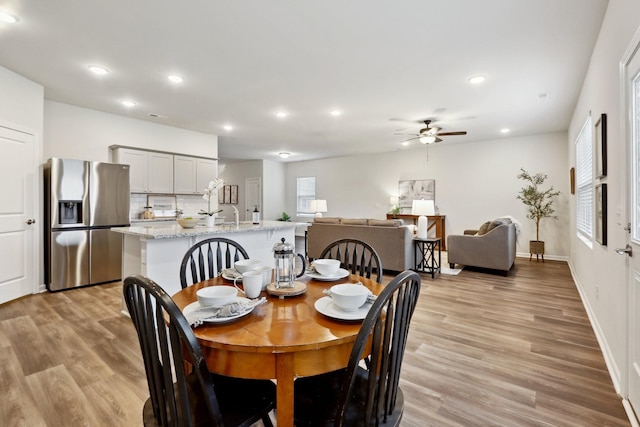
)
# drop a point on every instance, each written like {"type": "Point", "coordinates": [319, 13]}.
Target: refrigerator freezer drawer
{"type": "Point", "coordinates": [106, 256]}
{"type": "Point", "coordinates": [69, 263]}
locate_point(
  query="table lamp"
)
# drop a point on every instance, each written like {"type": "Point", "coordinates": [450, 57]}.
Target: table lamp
{"type": "Point", "coordinates": [423, 208]}
{"type": "Point", "coordinates": [318, 206]}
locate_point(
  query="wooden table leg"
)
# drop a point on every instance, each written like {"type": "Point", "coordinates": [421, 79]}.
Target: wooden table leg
{"type": "Point", "coordinates": [284, 387]}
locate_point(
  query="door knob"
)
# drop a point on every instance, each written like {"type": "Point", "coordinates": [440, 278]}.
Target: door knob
{"type": "Point", "coordinates": [627, 250]}
{"type": "Point", "coordinates": [31, 221]}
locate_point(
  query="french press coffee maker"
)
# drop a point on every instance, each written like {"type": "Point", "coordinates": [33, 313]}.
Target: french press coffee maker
{"type": "Point", "coordinates": [285, 274]}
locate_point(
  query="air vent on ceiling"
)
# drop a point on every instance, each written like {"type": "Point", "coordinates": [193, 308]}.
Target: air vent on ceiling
{"type": "Point", "coordinates": [157, 116]}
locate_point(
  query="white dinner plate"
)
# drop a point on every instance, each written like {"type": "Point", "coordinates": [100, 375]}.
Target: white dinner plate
{"type": "Point", "coordinates": [196, 306]}
{"type": "Point", "coordinates": [340, 274]}
{"type": "Point", "coordinates": [326, 306]}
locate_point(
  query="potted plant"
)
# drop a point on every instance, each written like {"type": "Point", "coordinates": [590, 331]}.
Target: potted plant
{"type": "Point", "coordinates": [210, 192]}
{"type": "Point", "coordinates": [285, 217]}
{"type": "Point", "coordinates": [539, 203]}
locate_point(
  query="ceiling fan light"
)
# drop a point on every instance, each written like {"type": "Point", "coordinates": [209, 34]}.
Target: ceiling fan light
{"type": "Point", "coordinates": [427, 139]}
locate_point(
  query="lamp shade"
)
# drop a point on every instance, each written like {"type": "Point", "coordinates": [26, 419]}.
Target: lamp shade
{"type": "Point", "coordinates": [318, 206]}
{"type": "Point", "coordinates": [423, 207]}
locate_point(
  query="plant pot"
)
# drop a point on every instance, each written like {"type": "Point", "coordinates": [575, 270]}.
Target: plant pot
{"type": "Point", "coordinates": [536, 247]}
{"type": "Point", "coordinates": [210, 221]}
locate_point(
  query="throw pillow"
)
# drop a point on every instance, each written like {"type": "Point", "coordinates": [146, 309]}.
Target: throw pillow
{"type": "Point", "coordinates": [326, 220]}
{"type": "Point", "coordinates": [498, 222]}
{"type": "Point", "coordinates": [354, 221]}
{"type": "Point", "coordinates": [484, 228]}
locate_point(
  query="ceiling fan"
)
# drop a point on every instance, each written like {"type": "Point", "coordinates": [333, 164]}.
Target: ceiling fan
{"type": "Point", "coordinates": [430, 134]}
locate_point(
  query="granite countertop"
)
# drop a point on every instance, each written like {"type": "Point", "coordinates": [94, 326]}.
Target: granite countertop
{"type": "Point", "coordinates": [158, 231]}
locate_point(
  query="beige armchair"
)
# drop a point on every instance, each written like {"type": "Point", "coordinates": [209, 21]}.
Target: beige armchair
{"type": "Point", "coordinates": [494, 249]}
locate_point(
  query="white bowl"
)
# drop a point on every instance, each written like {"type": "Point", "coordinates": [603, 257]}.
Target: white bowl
{"type": "Point", "coordinates": [326, 267]}
{"type": "Point", "coordinates": [188, 222]}
{"type": "Point", "coordinates": [349, 296]}
{"type": "Point", "coordinates": [245, 265]}
{"type": "Point", "coordinates": [216, 296]}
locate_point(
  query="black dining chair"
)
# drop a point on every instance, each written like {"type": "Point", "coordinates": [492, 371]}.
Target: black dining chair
{"type": "Point", "coordinates": [356, 256]}
{"type": "Point", "coordinates": [182, 390]}
{"type": "Point", "coordinates": [207, 259]}
{"type": "Point", "coordinates": [359, 395]}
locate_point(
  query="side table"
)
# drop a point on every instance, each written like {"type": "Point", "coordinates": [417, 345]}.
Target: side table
{"type": "Point", "coordinates": [425, 255]}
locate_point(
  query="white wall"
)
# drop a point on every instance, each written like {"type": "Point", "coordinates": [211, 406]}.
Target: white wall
{"type": "Point", "coordinates": [237, 174]}
{"type": "Point", "coordinates": [21, 102]}
{"type": "Point", "coordinates": [81, 133]}
{"type": "Point", "coordinates": [600, 273]}
{"type": "Point", "coordinates": [273, 194]}
{"type": "Point", "coordinates": [475, 182]}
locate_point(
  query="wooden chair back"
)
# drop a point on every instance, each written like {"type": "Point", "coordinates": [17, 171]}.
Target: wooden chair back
{"type": "Point", "coordinates": [356, 256]}
{"type": "Point", "coordinates": [207, 259]}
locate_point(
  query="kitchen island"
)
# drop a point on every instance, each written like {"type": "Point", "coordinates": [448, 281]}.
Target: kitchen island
{"type": "Point", "coordinates": [156, 251]}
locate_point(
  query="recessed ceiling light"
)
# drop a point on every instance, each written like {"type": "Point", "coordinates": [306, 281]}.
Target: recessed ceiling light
{"type": "Point", "coordinates": [8, 18]}
{"type": "Point", "coordinates": [505, 130]}
{"type": "Point", "coordinates": [173, 78]}
{"type": "Point", "coordinates": [97, 69]}
{"type": "Point", "coordinates": [335, 113]}
{"type": "Point", "coordinates": [281, 114]}
{"type": "Point", "coordinates": [474, 80]}
{"type": "Point", "coordinates": [128, 103]}
{"type": "Point", "coordinates": [284, 155]}
{"type": "Point", "coordinates": [405, 143]}
{"type": "Point", "coordinates": [228, 128]}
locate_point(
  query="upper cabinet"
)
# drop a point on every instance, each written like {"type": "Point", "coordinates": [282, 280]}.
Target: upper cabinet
{"type": "Point", "coordinates": [158, 172]}
{"type": "Point", "coordinates": [193, 174]}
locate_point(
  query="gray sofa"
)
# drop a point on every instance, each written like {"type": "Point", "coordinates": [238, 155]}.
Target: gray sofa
{"type": "Point", "coordinates": [390, 238]}
{"type": "Point", "coordinates": [493, 246]}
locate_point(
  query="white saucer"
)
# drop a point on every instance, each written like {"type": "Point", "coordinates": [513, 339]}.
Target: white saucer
{"type": "Point", "coordinates": [226, 276]}
{"type": "Point", "coordinates": [196, 306]}
{"type": "Point", "coordinates": [326, 306]}
{"type": "Point", "coordinates": [340, 274]}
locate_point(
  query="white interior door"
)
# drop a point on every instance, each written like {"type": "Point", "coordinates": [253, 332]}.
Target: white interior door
{"type": "Point", "coordinates": [18, 175]}
{"type": "Point", "coordinates": [631, 95]}
{"type": "Point", "coordinates": [253, 197]}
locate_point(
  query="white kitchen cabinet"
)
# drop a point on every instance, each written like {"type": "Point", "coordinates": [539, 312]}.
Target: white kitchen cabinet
{"type": "Point", "coordinates": [150, 172]}
{"type": "Point", "coordinates": [206, 171]}
{"type": "Point", "coordinates": [185, 175]}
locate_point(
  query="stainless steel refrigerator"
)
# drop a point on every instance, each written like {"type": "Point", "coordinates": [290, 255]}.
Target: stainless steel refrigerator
{"type": "Point", "coordinates": [82, 201]}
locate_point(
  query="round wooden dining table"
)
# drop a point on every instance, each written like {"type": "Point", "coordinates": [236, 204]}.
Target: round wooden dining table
{"type": "Point", "coordinates": [283, 339]}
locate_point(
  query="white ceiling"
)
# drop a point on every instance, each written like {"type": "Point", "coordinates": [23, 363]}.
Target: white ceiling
{"type": "Point", "coordinates": [385, 64]}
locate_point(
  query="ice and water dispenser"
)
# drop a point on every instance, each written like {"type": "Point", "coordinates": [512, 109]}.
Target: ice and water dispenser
{"type": "Point", "coordinates": [70, 212]}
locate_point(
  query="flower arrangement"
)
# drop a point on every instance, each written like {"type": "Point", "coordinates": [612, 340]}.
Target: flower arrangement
{"type": "Point", "coordinates": [209, 192]}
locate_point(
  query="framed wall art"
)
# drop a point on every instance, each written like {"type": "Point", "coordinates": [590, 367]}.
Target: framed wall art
{"type": "Point", "coordinates": [221, 195]}
{"type": "Point", "coordinates": [415, 189]}
{"type": "Point", "coordinates": [234, 194]}
{"type": "Point", "coordinates": [601, 214]}
{"type": "Point", "coordinates": [227, 194]}
{"type": "Point", "coordinates": [600, 136]}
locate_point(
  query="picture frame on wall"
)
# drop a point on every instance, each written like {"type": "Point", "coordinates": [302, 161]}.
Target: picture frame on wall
{"type": "Point", "coordinates": [600, 136]}
{"type": "Point", "coordinates": [234, 194]}
{"type": "Point", "coordinates": [415, 189]}
{"type": "Point", "coordinates": [227, 194]}
{"type": "Point", "coordinates": [221, 195]}
{"type": "Point", "coordinates": [601, 214]}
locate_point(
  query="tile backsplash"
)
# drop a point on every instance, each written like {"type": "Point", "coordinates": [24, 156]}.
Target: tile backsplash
{"type": "Point", "coordinates": [165, 206]}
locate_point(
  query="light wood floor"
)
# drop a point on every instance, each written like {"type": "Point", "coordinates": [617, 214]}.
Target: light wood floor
{"type": "Point", "coordinates": [484, 350]}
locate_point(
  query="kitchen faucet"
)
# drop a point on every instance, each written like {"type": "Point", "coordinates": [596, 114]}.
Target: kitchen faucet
{"type": "Point", "coordinates": [236, 215]}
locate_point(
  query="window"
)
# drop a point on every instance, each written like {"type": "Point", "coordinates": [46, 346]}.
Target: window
{"type": "Point", "coordinates": [305, 193]}
{"type": "Point", "coordinates": [584, 180]}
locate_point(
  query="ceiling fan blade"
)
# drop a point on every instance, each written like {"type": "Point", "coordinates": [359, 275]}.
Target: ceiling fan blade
{"type": "Point", "coordinates": [437, 140]}
{"type": "Point", "coordinates": [410, 139]}
{"type": "Point", "coordinates": [412, 134]}
{"type": "Point", "coordinates": [452, 133]}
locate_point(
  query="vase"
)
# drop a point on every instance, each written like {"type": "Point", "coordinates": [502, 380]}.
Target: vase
{"type": "Point", "coordinates": [211, 220]}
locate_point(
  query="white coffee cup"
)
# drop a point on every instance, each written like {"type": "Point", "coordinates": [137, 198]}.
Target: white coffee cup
{"type": "Point", "coordinates": [251, 283]}
{"type": "Point", "coordinates": [266, 275]}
